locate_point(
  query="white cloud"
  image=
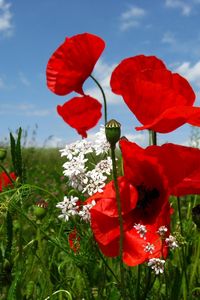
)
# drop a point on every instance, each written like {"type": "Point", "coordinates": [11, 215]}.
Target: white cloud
{"type": "Point", "coordinates": [6, 26]}
{"type": "Point", "coordinates": [54, 142]}
{"type": "Point", "coordinates": [24, 109]}
{"type": "Point", "coordinates": [24, 79]}
{"type": "Point", "coordinates": [182, 5]}
{"type": "Point", "coordinates": [131, 18]}
{"type": "Point", "coordinates": [102, 73]}
{"type": "Point", "coordinates": [138, 138]}
{"type": "Point", "coordinates": [191, 72]}
{"type": "Point", "coordinates": [168, 38]}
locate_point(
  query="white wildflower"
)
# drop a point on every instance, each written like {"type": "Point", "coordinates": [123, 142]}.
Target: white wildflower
{"type": "Point", "coordinates": [75, 166]}
{"type": "Point", "coordinates": [76, 170]}
{"type": "Point", "coordinates": [149, 248]}
{"type": "Point", "coordinates": [101, 144]}
{"type": "Point", "coordinates": [162, 231]}
{"type": "Point", "coordinates": [104, 166]}
{"type": "Point", "coordinates": [84, 213]}
{"type": "Point", "coordinates": [95, 183]}
{"type": "Point", "coordinates": [68, 207]}
{"type": "Point", "coordinates": [157, 265]}
{"type": "Point", "coordinates": [171, 242]}
{"type": "Point", "coordinates": [141, 229]}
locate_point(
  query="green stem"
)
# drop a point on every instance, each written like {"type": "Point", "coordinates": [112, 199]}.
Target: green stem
{"type": "Point", "coordinates": [182, 249]}
{"type": "Point", "coordinates": [106, 264]}
{"type": "Point", "coordinates": [114, 167]}
{"type": "Point", "coordinates": [104, 98]}
{"type": "Point", "coordinates": [138, 282]}
{"type": "Point", "coordinates": [152, 137]}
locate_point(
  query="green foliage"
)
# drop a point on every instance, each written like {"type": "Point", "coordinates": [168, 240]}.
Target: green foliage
{"type": "Point", "coordinates": [37, 263]}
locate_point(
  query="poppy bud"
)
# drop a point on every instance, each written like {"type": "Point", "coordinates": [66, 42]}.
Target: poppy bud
{"type": "Point", "coordinates": [113, 132]}
{"type": "Point", "coordinates": [196, 215]}
{"type": "Point", "coordinates": [40, 209]}
{"type": "Point", "coordinates": [3, 153]}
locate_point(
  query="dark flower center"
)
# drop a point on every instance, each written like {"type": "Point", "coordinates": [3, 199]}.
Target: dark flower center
{"type": "Point", "coordinates": [146, 196]}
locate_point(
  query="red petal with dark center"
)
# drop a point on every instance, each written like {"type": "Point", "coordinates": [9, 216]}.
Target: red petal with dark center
{"type": "Point", "coordinates": [147, 175]}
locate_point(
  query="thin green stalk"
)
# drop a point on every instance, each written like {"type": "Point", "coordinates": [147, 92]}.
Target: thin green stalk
{"type": "Point", "coordinates": [196, 262]}
{"type": "Point", "coordinates": [179, 215]}
{"type": "Point", "coordinates": [106, 264]}
{"type": "Point", "coordinates": [104, 98]}
{"type": "Point", "coordinates": [154, 137]}
{"type": "Point", "coordinates": [138, 282]}
{"type": "Point", "coordinates": [182, 249]}
{"type": "Point", "coordinates": [114, 167]}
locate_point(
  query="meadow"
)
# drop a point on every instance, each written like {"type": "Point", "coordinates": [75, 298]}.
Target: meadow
{"type": "Point", "coordinates": [105, 218]}
{"type": "Point", "coordinates": [39, 259]}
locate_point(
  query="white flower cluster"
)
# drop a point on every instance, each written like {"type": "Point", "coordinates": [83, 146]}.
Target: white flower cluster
{"type": "Point", "coordinates": [79, 177]}
{"type": "Point", "coordinates": [162, 231]}
{"type": "Point", "coordinates": [69, 207]}
{"type": "Point", "coordinates": [141, 229]}
{"type": "Point", "coordinates": [149, 248]}
{"type": "Point", "coordinates": [157, 265]}
{"type": "Point", "coordinates": [171, 242]}
{"type": "Point", "coordinates": [85, 212]}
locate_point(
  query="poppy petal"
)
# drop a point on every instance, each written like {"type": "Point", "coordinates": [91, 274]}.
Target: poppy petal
{"type": "Point", "coordinates": [72, 63]}
{"type": "Point", "coordinates": [81, 113]}
{"type": "Point", "coordinates": [181, 165]}
{"type": "Point", "coordinates": [153, 93]}
{"type": "Point", "coordinates": [5, 180]}
{"type": "Point", "coordinates": [147, 174]}
{"type": "Point", "coordinates": [173, 118]}
{"type": "Point", "coordinates": [133, 66]}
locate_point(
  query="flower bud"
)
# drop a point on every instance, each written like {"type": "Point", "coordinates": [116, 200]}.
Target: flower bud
{"type": "Point", "coordinates": [40, 209]}
{"type": "Point", "coordinates": [3, 153]}
{"type": "Point", "coordinates": [196, 215]}
{"type": "Point", "coordinates": [113, 132]}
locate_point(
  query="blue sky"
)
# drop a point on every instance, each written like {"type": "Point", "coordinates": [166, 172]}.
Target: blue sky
{"type": "Point", "coordinates": [30, 31]}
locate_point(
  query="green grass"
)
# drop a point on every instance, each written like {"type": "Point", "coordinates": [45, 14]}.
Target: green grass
{"type": "Point", "coordinates": [36, 261]}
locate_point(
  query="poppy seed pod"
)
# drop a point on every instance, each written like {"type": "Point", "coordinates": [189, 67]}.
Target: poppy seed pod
{"type": "Point", "coordinates": [40, 209]}
{"type": "Point", "coordinates": [3, 153]}
{"type": "Point", "coordinates": [113, 132]}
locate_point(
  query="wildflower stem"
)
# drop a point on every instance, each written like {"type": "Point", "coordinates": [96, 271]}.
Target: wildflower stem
{"type": "Point", "coordinates": [138, 282]}
{"type": "Point", "coordinates": [120, 218]}
{"type": "Point", "coordinates": [179, 214]}
{"type": "Point", "coordinates": [182, 249]}
{"type": "Point", "coordinates": [104, 98]}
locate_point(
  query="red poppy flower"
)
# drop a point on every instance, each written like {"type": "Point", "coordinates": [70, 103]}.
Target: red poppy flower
{"type": "Point", "coordinates": [73, 62]}
{"type": "Point", "coordinates": [81, 113]}
{"type": "Point", "coordinates": [181, 165]}
{"type": "Point", "coordinates": [151, 175]}
{"type": "Point", "coordinates": [161, 100]}
{"type": "Point", "coordinates": [144, 199]}
{"type": "Point", "coordinates": [5, 180]}
{"type": "Point", "coordinates": [74, 240]}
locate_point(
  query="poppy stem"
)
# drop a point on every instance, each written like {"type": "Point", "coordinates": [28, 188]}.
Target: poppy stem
{"type": "Point", "coordinates": [104, 98]}
{"type": "Point", "coordinates": [182, 249]}
{"type": "Point", "coordinates": [114, 167]}
{"type": "Point", "coordinates": [153, 139]}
